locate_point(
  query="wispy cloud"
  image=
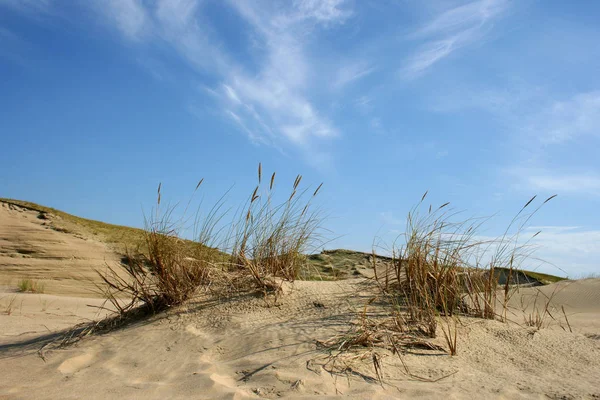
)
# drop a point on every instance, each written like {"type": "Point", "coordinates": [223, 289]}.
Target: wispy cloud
{"type": "Point", "coordinates": [547, 127]}
{"type": "Point", "coordinates": [512, 100]}
{"type": "Point", "coordinates": [273, 103]}
{"type": "Point", "coordinates": [129, 16]}
{"type": "Point", "coordinates": [449, 31]}
{"type": "Point", "coordinates": [276, 96]}
{"type": "Point", "coordinates": [556, 182]}
{"type": "Point", "coordinates": [348, 74]}
{"type": "Point", "coordinates": [463, 17]}
{"type": "Point", "coordinates": [573, 250]}
{"type": "Point", "coordinates": [542, 128]}
{"type": "Point", "coordinates": [388, 217]}
{"type": "Point", "coordinates": [364, 103]}
{"type": "Point", "coordinates": [324, 10]}
{"type": "Point", "coordinates": [31, 7]}
{"type": "Point", "coordinates": [560, 250]}
{"type": "Point", "coordinates": [565, 120]}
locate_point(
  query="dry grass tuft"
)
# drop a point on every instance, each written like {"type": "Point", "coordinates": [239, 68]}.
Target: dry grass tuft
{"type": "Point", "coordinates": [9, 305]}
{"type": "Point", "coordinates": [30, 286]}
{"type": "Point", "coordinates": [441, 270]}
{"type": "Point", "coordinates": [272, 238]}
{"type": "Point", "coordinates": [170, 270]}
{"type": "Point", "coordinates": [450, 330]}
{"type": "Point", "coordinates": [542, 311]}
{"type": "Point", "coordinates": [262, 245]}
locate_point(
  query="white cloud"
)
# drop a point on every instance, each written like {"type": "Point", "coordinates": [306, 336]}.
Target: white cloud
{"type": "Point", "coordinates": [348, 74]}
{"type": "Point", "coordinates": [275, 97]}
{"type": "Point", "coordinates": [554, 229]}
{"type": "Point", "coordinates": [561, 183]}
{"type": "Point", "coordinates": [552, 181]}
{"type": "Point", "coordinates": [544, 128]}
{"type": "Point", "coordinates": [534, 112]}
{"type": "Point", "coordinates": [389, 218]}
{"type": "Point", "coordinates": [129, 16]}
{"type": "Point", "coordinates": [323, 10]}
{"type": "Point", "coordinates": [271, 103]}
{"type": "Point", "coordinates": [463, 17]}
{"type": "Point", "coordinates": [176, 14]}
{"type": "Point", "coordinates": [449, 31]}
{"type": "Point", "coordinates": [429, 54]}
{"type": "Point", "coordinates": [558, 250]}
{"type": "Point", "coordinates": [508, 102]}
{"type": "Point", "coordinates": [571, 249]}
{"type": "Point", "coordinates": [364, 103]}
{"type": "Point", "coordinates": [236, 118]}
{"type": "Point", "coordinates": [231, 94]}
{"type": "Point", "coordinates": [178, 23]}
{"type": "Point", "coordinates": [565, 120]}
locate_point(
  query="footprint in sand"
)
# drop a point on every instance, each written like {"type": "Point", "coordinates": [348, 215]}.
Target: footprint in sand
{"type": "Point", "coordinates": [74, 364]}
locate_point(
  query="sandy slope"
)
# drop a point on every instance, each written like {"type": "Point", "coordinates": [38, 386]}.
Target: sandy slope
{"type": "Point", "coordinates": [39, 249]}
{"type": "Point", "coordinates": [249, 347]}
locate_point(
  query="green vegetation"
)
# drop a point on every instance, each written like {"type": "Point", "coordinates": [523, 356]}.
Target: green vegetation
{"type": "Point", "coordinates": [117, 235]}
{"type": "Point", "coordinates": [336, 264]}
{"type": "Point", "coordinates": [534, 277]}
{"type": "Point", "coordinates": [342, 264]}
{"type": "Point", "coordinates": [30, 286]}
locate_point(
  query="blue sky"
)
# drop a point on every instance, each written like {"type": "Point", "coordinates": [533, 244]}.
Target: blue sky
{"type": "Point", "coordinates": [483, 103]}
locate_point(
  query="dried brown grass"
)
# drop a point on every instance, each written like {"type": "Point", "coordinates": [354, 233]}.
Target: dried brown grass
{"type": "Point", "coordinates": [442, 270]}
{"type": "Point", "coordinates": [262, 245]}
{"type": "Point", "coordinates": [272, 238]}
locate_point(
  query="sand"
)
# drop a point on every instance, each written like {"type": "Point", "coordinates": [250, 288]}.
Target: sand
{"type": "Point", "coordinates": [252, 347]}
{"type": "Point", "coordinates": [50, 251]}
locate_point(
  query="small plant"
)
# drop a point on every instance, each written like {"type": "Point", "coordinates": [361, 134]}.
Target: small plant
{"type": "Point", "coordinates": [450, 331]}
{"type": "Point", "coordinates": [542, 309]}
{"type": "Point", "coordinates": [8, 308]}
{"type": "Point", "coordinates": [43, 305]}
{"type": "Point", "coordinates": [30, 286]}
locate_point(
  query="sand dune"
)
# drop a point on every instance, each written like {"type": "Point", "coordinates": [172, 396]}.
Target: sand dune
{"type": "Point", "coordinates": [249, 348]}
{"type": "Point", "coordinates": [44, 248]}
{"type": "Point", "coordinates": [256, 347]}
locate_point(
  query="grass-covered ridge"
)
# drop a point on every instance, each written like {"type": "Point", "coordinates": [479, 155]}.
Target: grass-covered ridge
{"type": "Point", "coordinates": [117, 235]}
{"type": "Point", "coordinates": [123, 239]}
{"type": "Point", "coordinates": [344, 263]}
